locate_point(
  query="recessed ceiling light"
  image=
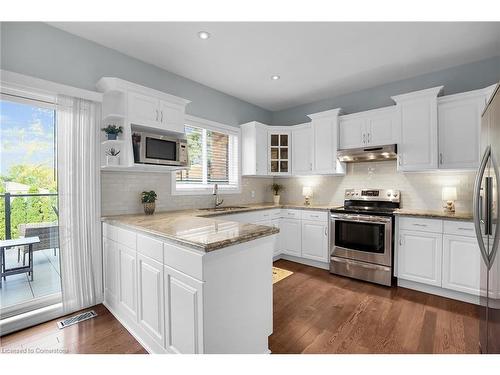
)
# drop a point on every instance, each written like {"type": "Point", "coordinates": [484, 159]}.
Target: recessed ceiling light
{"type": "Point", "coordinates": [275, 77]}
{"type": "Point", "coordinates": [203, 35]}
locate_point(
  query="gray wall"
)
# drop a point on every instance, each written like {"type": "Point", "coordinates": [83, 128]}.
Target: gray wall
{"type": "Point", "coordinates": [42, 51]}
{"type": "Point", "coordinates": [457, 79]}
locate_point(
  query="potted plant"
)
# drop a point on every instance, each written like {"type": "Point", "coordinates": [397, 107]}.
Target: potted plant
{"type": "Point", "coordinates": [276, 188]}
{"type": "Point", "coordinates": [112, 156]}
{"type": "Point", "coordinates": [148, 200]}
{"type": "Point", "coordinates": [112, 131]}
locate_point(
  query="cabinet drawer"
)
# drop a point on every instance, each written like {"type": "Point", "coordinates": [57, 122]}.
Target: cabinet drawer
{"type": "Point", "coordinates": [150, 247]}
{"type": "Point", "coordinates": [315, 215]}
{"type": "Point", "coordinates": [459, 228]}
{"type": "Point", "coordinates": [183, 260]}
{"type": "Point", "coordinates": [122, 236]}
{"type": "Point", "coordinates": [291, 214]}
{"type": "Point", "coordinates": [269, 214]}
{"type": "Point", "coordinates": [425, 225]}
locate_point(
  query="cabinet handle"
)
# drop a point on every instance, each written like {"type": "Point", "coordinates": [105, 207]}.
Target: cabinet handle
{"type": "Point", "coordinates": [311, 166]}
{"type": "Point", "coordinates": [314, 216]}
{"type": "Point", "coordinates": [369, 137]}
{"type": "Point", "coordinates": [364, 138]}
{"type": "Point", "coordinates": [400, 158]}
{"type": "Point", "coordinates": [441, 158]}
{"type": "Point", "coordinates": [326, 231]}
{"type": "Point", "coordinates": [156, 115]}
{"type": "Point", "coordinates": [470, 229]}
{"type": "Point", "coordinates": [161, 116]}
{"type": "Point", "coordinates": [420, 225]}
{"type": "Point", "coordinates": [400, 242]}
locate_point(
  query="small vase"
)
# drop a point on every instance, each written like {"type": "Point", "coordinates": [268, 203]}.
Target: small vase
{"type": "Point", "coordinates": [276, 199]}
{"type": "Point", "coordinates": [112, 137]}
{"type": "Point", "coordinates": [149, 208]}
{"type": "Point", "coordinates": [112, 160]}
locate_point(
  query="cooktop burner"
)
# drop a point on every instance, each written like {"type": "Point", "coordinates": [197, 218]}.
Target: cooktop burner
{"type": "Point", "coordinates": [370, 201]}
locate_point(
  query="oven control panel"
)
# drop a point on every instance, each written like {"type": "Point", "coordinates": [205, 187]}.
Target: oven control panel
{"type": "Point", "coordinates": [390, 195]}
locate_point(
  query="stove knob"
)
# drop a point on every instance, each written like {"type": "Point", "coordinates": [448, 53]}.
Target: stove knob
{"type": "Point", "coordinates": [348, 193]}
{"type": "Point", "coordinates": [395, 195]}
{"type": "Point", "coordinates": [389, 194]}
{"type": "Point", "coordinates": [357, 193]}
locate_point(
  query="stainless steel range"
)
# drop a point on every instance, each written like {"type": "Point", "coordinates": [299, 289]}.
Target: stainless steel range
{"type": "Point", "coordinates": [362, 235]}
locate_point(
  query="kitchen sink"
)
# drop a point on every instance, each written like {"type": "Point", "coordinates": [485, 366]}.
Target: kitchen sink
{"type": "Point", "coordinates": [222, 209]}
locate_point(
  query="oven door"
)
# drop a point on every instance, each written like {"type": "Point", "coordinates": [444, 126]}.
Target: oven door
{"type": "Point", "coordinates": [362, 237]}
{"type": "Point", "coordinates": [157, 149]}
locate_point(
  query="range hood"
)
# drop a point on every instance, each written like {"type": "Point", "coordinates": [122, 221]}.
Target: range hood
{"type": "Point", "coordinates": [377, 153]}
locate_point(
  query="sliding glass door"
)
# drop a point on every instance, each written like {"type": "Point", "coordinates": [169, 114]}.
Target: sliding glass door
{"type": "Point", "coordinates": [28, 204]}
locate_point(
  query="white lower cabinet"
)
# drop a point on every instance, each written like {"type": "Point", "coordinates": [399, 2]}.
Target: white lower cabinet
{"type": "Point", "coordinates": [127, 276]}
{"type": "Point", "coordinates": [420, 256]}
{"type": "Point", "coordinates": [150, 297]}
{"type": "Point", "coordinates": [442, 253]}
{"type": "Point", "coordinates": [183, 312]}
{"type": "Point", "coordinates": [461, 264]}
{"type": "Point", "coordinates": [290, 237]}
{"type": "Point", "coordinates": [315, 240]}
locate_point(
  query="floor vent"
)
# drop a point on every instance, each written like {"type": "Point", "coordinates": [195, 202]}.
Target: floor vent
{"type": "Point", "coordinates": [76, 319]}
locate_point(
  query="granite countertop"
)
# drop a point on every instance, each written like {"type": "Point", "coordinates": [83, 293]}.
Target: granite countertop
{"type": "Point", "coordinates": [464, 216]}
{"type": "Point", "coordinates": [201, 229]}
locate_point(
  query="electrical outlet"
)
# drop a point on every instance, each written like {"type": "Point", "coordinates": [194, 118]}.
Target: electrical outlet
{"type": "Point", "coordinates": [252, 193]}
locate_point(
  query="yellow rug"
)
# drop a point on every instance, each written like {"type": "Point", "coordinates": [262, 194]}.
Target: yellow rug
{"type": "Point", "coordinates": [279, 274]}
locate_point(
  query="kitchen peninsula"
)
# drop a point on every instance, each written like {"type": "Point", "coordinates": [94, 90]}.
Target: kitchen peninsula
{"type": "Point", "coordinates": [181, 283]}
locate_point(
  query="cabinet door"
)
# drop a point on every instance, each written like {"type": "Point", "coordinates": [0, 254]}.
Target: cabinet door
{"type": "Point", "coordinates": [459, 124]}
{"type": "Point", "coordinates": [143, 109]}
{"type": "Point", "coordinates": [183, 312]}
{"type": "Point", "coordinates": [315, 241]}
{"type": "Point", "coordinates": [418, 148]}
{"type": "Point", "coordinates": [171, 117]}
{"type": "Point", "coordinates": [150, 297]}
{"type": "Point", "coordinates": [277, 245]}
{"type": "Point", "coordinates": [382, 129]}
{"type": "Point", "coordinates": [325, 142]}
{"type": "Point", "coordinates": [290, 237]}
{"type": "Point", "coordinates": [110, 272]}
{"type": "Point", "coordinates": [302, 150]}
{"type": "Point", "coordinates": [279, 153]}
{"type": "Point", "coordinates": [352, 133]}
{"type": "Point", "coordinates": [419, 257]}
{"type": "Point", "coordinates": [461, 264]}
{"type": "Point", "coordinates": [261, 149]}
{"type": "Point", "coordinates": [127, 280]}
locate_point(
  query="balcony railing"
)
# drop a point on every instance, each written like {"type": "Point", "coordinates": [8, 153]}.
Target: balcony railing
{"type": "Point", "coordinates": [46, 211]}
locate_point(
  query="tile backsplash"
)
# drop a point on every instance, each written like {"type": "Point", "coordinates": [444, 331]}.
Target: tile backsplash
{"type": "Point", "coordinates": [121, 190]}
{"type": "Point", "coordinates": [121, 193]}
{"type": "Point", "coordinates": [418, 190]}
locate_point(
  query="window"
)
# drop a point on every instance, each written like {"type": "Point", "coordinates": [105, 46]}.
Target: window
{"type": "Point", "coordinates": [213, 159]}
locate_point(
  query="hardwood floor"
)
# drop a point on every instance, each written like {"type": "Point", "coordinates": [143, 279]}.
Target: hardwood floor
{"type": "Point", "coordinates": [100, 335]}
{"type": "Point", "coordinates": [316, 312]}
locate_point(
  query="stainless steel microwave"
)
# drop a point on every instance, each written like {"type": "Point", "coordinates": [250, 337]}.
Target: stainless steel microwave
{"type": "Point", "coordinates": [159, 149]}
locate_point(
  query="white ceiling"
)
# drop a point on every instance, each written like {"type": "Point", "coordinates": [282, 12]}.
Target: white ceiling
{"type": "Point", "coordinates": [315, 60]}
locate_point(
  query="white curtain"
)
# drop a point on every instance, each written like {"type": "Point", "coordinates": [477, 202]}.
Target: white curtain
{"type": "Point", "coordinates": [78, 173]}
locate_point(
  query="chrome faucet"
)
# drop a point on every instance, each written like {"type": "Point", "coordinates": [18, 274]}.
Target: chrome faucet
{"type": "Point", "coordinates": [218, 201]}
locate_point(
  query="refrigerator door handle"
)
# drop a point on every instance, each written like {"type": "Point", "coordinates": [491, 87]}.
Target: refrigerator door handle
{"type": "Point", "coordinates": [496, 238]}
{"type": "Point", "coordinates": [477, 206]}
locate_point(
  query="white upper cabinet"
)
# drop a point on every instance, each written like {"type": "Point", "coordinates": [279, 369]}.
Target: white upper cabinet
{"type": "Point", "coordinates": [254, 149]}
{"type": "Point", "coordinates": [459, 127]}
{"type": "Point", "coordinates": [302, 151]}
{"type": "Point", "coordinates": [325, 130]}
{"type": "Point", "coordinates": [418, 146]}
{"type": "Point", "coordinates": [142, 106]}
{"type": "Point", "coordinates": [370, 128]}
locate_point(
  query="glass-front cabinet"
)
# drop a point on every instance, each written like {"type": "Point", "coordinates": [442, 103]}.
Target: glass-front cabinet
{"type": "Point", "coordinates": [279, 153]}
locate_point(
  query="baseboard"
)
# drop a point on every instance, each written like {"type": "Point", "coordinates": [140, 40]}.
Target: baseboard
{"type": "Point", "coordinates": [464, 297]}
{"type": "Point", "coordinates": [307, 262]}
{"type": "Point", "coordinates": [133, 331]}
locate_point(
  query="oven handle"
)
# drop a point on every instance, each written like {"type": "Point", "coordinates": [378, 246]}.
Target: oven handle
{"type": "Point", "coordinates": [363, 218]}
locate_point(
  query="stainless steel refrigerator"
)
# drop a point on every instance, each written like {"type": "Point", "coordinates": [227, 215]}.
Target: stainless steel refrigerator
{"type": "Point", "coordinates": [486, 213]}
